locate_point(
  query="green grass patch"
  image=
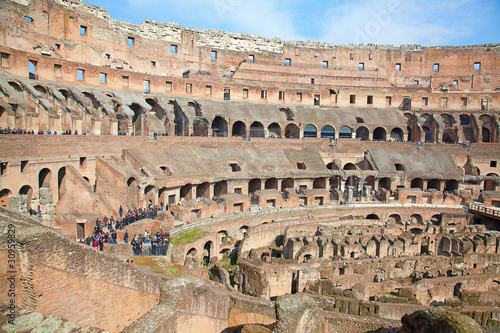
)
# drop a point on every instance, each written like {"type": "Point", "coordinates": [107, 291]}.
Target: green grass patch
{"type": "Point", "coordinates": [189, 237]}
{"type": "Point", "coordinates": [157, 265]}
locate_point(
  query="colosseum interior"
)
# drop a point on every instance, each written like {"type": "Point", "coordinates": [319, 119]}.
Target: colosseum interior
{"type": "Point", "coordinates": [305, 186]}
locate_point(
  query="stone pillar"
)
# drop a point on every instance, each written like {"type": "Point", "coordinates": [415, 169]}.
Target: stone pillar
{"type": "Point", "coordinates": [341, 184]}
{"type": "Point", "coordinates": [350, 189]}
{"type": "Point", "coordinates": [368, 191]}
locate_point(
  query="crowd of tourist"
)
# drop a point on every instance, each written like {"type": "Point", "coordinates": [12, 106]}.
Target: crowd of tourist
{"type": "Point", "coordinates": [105, 229]}
{"type": "Point", "coordinates": [147, 244]}
{"type": "Point", "coordinates": [9, 130]}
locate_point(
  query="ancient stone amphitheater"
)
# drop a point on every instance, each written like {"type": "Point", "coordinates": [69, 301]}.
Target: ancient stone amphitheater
{"type": "Point", "coordinates": [307, 187]}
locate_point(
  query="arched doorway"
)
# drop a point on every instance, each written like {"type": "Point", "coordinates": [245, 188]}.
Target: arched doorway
{"type": "Point", "coordinates": [489, 184]}
{"type": "Point", "coordinates": [271, 184]}
{"type": "Point", "coordinates": [434, 184]}
{"type": "Point", "coordinates": [287, 183]}
{"type": "Point", "coordinates": [328, 132]}
{"type": "Point", "coordinates": [149, 194]}
{"type": "Point", "coordinates": [254, 185]}
{"type": "Point", "coordinates": [310, 131]}
{"type": "Point", "coordinates": [379, 134]}
{"type": "Point", "coordinates": [186, 191]}
{"type": "Point", "coordinates": [345, 132]}
{"type": "Point", "coordinates": [417, 183]}
{"type": "Point", "coordinates": [208, 251]}
{"type": "Point", "coordinates": [239, 129]}
{"type": "Point", "coordinates": [362, 133]}
{"type": "Point", "coordinates": [385, 183]}
{"type": "Point", "coordinates": [44, 177]}
{"type": "Point", "coordinates": [428, 134]}
{"type": "Point", "coordinates": [219, 127]}
{"type": "Point", "coordinates": [397, 134]}
{"type": "Point", "coordinates": [61, 182]}
{"type": "Point", "coordinates": [220, 188]}
{"type": "Point", "coordinates": [27, 191]}
{"type": "Point", "coordinates": [203, 190]}
{"type": "Point", "coordinates": [292, 131]}
{"type": "Point", "coordinates": [257, 130]}
{"type": "Point", "coordinates": [274, 130]}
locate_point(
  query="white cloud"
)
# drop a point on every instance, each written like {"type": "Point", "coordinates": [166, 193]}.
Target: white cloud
{"type": "Point", "coordinates": [426, 22]}
{"type": "Point", "coordinates": [260, 17]}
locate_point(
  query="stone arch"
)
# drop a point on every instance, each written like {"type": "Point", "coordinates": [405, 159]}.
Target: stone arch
{"type": "Point", "coordinates": [379, 134]}
{"type": "Point", "coordinates": [396, 218]}
{"type": "Point", "coordinates": [257, 130]}
{"type": "Point", "coordinates": [149, 194]}
{"type": "Point", "coordinates": [427, 134]}
{"type": "Point", "coordinates": [137, 119]}
{"type": "Point", "coordinates": [208, 252]}
{"type": "Point", "coordinates": [489, 128]}
{"type": "Point", "coordinates": [310, 131]}
{"type": "Point", "coordinates": [412, 127]}
{"type": "Point", "coordinates": [363, 133]}
{"type": "Point", "coordinates": [274, 130]}
{"type": "Point", "coordinates": [271, 184]}
{"type": "Point", "coordinates": [132, 192]}
{"type": "Point", "coordinates": [370, 181]}
{"type": "Point", "coordinates": [385, 183]}
{"type": "Point", "coordinates": [243, 231]}
{"type": "Point", "coordinates": [345, 132]}
{"type": "Point", "coordinates": [203, 190]}
{"type": "Point", "coordinates": [399, 166]}
{"type": "Point", "coordinates": [372, 217]}
{"type": "Point", "coordinates": [328, 132]}
{"type": "Point", "coordinates": [436, 219]}
{"type": "Point", "coordinates": [41, 89]}
{"type": "Point", "coordinates": [220, 188]}
{"type": "Point", "coordinates": [434, 184]}
{"type": "Point", "coordinates": [61, 182]}
{"type": "Point", "coordinates": [292, 131]}
{"type": "Point", "coordinates": [254, 185]}
{"type": "Point", "coordinates": [186, 191]}
{"type": "Point", "coordinates": [490, 185]}
{"type": "Point", "coordinates": [397, 134]}
{"type": "Point", "coordinates": [16, 85]}
{"type": "Point", "coordinates": [162, 197]}
{"type": "Point", "coordinates": [219, 127]}
{"type": "Point", "coordinates": [27, 191]}
{"type": "Point", "coordinates": [44, 178]}
{"type": "Point", "coordinates": [194, 106]}
{"type": "Point", "coordinates": [4, 197]}
{"type": "Point", "coordinates": [451, 185]}
{"type": "Point", "coordinates": [416, 218]}
{"type": "Point", "coordinates": [191, 259]}
{"type": "Point", "coordinates": [417, 183]}
{"type": "Point", "coordinates": [349, 166]}
{"type": "Point", "coordinates": [239, 129]}
{"type": "Point", "coordinates": [467, 124]}
{"type": "Point", "coordinates": [448, 120]}
{"type": "Point", "coordinates": [287, 183]}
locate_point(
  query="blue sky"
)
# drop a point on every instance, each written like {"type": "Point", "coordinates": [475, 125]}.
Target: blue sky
{"type": "Point", "coordinates": [425, 22]}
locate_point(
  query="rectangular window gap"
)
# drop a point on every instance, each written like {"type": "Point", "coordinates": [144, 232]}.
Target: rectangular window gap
{"type": "Point", "coordinates": [83, 30]}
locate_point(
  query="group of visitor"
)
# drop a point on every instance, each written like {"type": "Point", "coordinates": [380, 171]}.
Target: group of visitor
{"type": "Point", "coordinates": [105, 229]}
{"type": "Point", "coordinates": [9, 130]}
{"type": "Point", "coordinates": [147, 244]}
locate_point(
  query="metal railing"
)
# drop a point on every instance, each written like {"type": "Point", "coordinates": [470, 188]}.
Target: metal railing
{"type": "Point", "coordinates": [488, 211]}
